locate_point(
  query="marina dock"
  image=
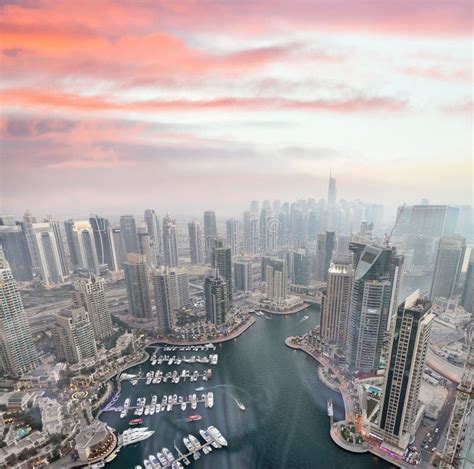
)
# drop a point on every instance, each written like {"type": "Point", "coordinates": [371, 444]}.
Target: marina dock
{"type": "Point", "coordinates": [163, 459]}
{"type": "Point", "coordinates": [166, 404]}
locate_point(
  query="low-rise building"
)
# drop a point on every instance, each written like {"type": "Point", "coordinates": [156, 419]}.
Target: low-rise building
{"type": "Point", "coordinates": [51, 415]}
{"type": "Point", "coordinates": [93, 441]}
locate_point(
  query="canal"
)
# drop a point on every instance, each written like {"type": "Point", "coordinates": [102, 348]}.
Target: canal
{"type": "Point", "coordinates": [285, 424]}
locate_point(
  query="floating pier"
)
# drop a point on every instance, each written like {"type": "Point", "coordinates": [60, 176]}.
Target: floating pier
{"type": "Point", "coordinates": [166, 405]}
{"type": "Point", "coordinates": [193, 448]}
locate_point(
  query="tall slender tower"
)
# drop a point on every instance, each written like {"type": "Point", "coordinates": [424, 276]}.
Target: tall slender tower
{"type": "Point", "coordinates": [138, 289]}
{"type": "Point", "coordinates": [467, 297]}
{"type": "Point", "coordinates": [337, 301]}
{"type": "Point", "coordinates": [49, 260]}
{"type": "Point", "coordinates": [84, 246]}
{"type": "Point", "coordinates": [170, 242]}
{"type": "Point", "coordinates": [90, 294]}
{"type": "Point", "coordinates": [407, 357]}
{"type": "Point", "coordinates": [233, 238]}
{"type": "Point", "coordinates": [145, 245]}
{"type": "Point", "coordinates": [163, 300]}
{"type": "Point", "coordinates": [153, 225]}
{"type": "Point", "coordinates": [217, 298]}
{"type": "Point", "coordinates": [17, 350]}
{"type": "Point", "coordinates": [56, 226]}
{"type": "Point", "coordinates": [103, 241]}
{"type": "Point", "coordinates": [128, 229]}
{"type": "Point", "coordinates": [377, 281]}
{"type": "Point", "coordinates": [210, 233]}
{"type": "Point", "coordinates": [221, 259]}
{"type": "Point", "coordinates": [195, 242]}
{"type": "Point", "coordinates": [332, 203]}
{"type": "Point", "coordinates": [448, 265]}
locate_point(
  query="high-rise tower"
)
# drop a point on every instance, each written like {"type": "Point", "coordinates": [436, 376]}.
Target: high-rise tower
{"type": "Point", "coordinates": [138, 288]}
{"type": "Point", "coordinates": [448, 265]}
{"type": "Point", "coordinates": [153, 225]}
{"type": "Point", "coordinates": [221, 259]}
{"type": "Point", "coordinates": [210, 233]}
{"type": "Point", "coordinates": [163, 299]}
{"type": "Point", "coordinates": [128, 230]}
{"type": "Point", "coordinates": [170, 242]}
{"type": "Point", "coordinates": [377, 281]}
{"type": "Point", "coordinates": [17, 350]}
{"type": "Point", "coordinates": [217, 298]}
{"type": "Point", "coordinates": [195, 242]}
{"type": "Point", "coordinates": [336, 302]}
{"type": "Point", "coordinates": [90, 294]}
{"type": "Point", "coordinates": [404, 374]}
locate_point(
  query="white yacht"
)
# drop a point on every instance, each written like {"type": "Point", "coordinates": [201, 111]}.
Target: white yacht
{"type": "Point", "coordinates": [162, 459]}
{"type": "Point", "coordinates": [216, 434]}
{"type": "Point", "coordinates": [210, 399]}
{"type": "Point", "coordinates": [168, 455]}
{"type": "Point", "coordinates": [134, 435]}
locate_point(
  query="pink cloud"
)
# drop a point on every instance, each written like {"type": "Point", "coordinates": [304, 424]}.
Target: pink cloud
{"type": "Point", "coordinates": [29, 98]}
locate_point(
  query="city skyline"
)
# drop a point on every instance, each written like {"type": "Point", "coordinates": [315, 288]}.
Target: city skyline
{"type": "Point", "coordinates": [238, 97]}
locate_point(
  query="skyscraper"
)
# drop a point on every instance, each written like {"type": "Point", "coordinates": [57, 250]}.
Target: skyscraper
{"type": "Point", "coordinates": [254, 208]}
{"type": "Point", "coordinates": [276, 276]}
{"type": "Point", "coordinates": [145, 245]}
{"type": "Point", "coordinates": [210, 233]}
{"type": "Point", "coordinates": [243, 275]}
{"type": "Point", "coordinates": [324, 248]}
{"type": "Point", "coordinates": [407, 357]}
{"type": "Point", "coordinates": [103, 241]}
{"type": "Point", "coordinates": [195, 242]}
{"type": "Point", "coordinates": [374, 297]}
{"type": "Point", "coordinates": [221, 259]}
{"type": "Point", "coordinates": [268, 231]}
{"type": "Point", "coordinates": [13, 242]}
{"type": "Point", "coordinates": [467, 297]}
{"type": "Point", "coordinates": [56, 226]}
{"type": "Point", "coordinates": [433, 220]}
{"type": "Point", "coordinates": [163, 300]}
{"type": "Point", "coordinates": [118, 251]}
{"type": "Point", "coordinates": [170, 242]}
{"type": "Point", "coordinates": [336, 302]}
{"type": "Point", "coordinates": [449, 259]}
{"type": "Point", "coordinates": [153, 225]}
{"type": "Point", "coordinates": [17, 351]}
{"type": "Point", "coordinates": [332, 203]}
{"type": "Point", "coordinates": [301, 272]}
{"type": "Point", "coordinates": [233, 235]}
{"type": "Point", "coordinates": [47, 253]}
{"type": "Point", "coordinates": [74, 335]}
{"type": "Point", "coordinates": [90, 294]}
{"type": "Point", "coordinates": [128, 230]}
{"type": "Point", "coordinates": [179, 281]}
{"type": "Point", "coordinates": [83, 245]}
{"type": "Point", "coordinates": [137, 283]}
{"type": "Point", "coordinates": [27, 227]}
{"type": "Point", "coordinates": [216, 298]}
{"type": "Point", "coordinates": [250, 233]}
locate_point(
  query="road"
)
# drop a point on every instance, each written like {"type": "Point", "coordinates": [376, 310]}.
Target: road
{"type": "Point", "coordinates": [443, 367]}
{"type": "Point", "coordinates": [441, 423]}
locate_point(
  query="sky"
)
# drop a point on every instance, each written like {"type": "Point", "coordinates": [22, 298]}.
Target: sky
{"type": "Point", "coordinates": [116, 106]}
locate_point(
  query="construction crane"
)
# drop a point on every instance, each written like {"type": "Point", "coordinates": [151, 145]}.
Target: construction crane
{"type": "Point", "coordinates": [388, 236]}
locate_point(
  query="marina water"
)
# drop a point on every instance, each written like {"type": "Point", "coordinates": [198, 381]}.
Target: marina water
{"type": "Point", "coordinates": [285, 424]}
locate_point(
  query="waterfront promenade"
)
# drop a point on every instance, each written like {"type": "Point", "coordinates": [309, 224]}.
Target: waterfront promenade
{"type": "Point", "coordinates": [233, 335]}
{"type": "Point", "coordinates": [294, 310]}
{"type": "Point", "coordinates": [348, 409]}
{"type": "Point", "coordinates": [342, 388]}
